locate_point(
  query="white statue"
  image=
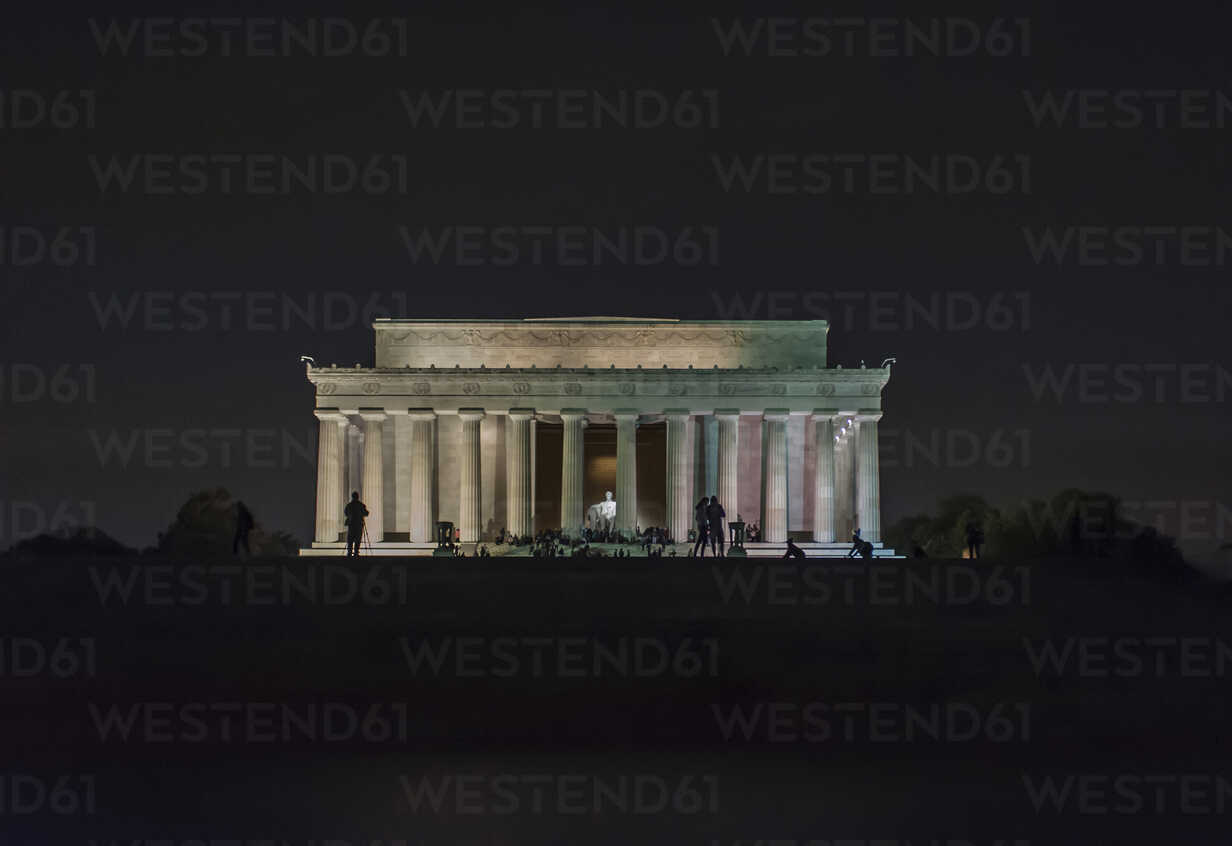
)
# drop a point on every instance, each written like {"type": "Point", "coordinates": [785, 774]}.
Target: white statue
{"type": "Point", "coordinates": [602, 515]}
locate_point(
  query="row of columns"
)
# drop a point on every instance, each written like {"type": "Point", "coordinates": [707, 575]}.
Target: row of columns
{"type": "Point", "coordinates": [846, 450]}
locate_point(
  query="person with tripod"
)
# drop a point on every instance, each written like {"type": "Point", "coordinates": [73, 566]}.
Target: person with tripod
{"type": "Point", "coordinates": [354, 515]}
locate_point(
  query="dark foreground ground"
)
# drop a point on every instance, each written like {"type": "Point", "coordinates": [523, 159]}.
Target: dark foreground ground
{"type": "Point", "coordinates": [490, 702]}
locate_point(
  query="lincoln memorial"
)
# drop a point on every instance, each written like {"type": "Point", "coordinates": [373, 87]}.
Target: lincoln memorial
{"type": "Point", "coordinates": [529, 424]}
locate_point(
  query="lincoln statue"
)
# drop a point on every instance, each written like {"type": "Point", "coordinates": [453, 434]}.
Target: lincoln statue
{"type": "Point", "coordinates": [602, 515]}
{"type": "Point", "coordinates": [516, 425]}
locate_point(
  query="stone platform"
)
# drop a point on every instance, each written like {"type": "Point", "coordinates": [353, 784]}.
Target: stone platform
{"type": "Point", "coordinates": [754, 550]}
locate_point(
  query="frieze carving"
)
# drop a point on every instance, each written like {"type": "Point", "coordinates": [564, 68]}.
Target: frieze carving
{"type": "Point", "coordinates": [619, 337]}
{"type": "Point", "coordinates": [696, 383]}
{"type": "Point", "coordinates": [557, 338]}
{"type": "Point", "coordinates": [751, 389]}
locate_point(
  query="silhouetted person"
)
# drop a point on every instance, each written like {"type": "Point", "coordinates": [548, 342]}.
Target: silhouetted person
{"type": "Point", "coordinates": [355, 512]}
{"type": "Point", "coordinates": [793, 551]}
{"type": "Point", "coordinates": [856, 544]}
{"type": "Point", "coordinates": [975, 537]}
{"type": "Point", "coordinates": [701, 516]}
{"type": "Point", "coordinates": [866, 550]}
{"type": "Point", "coordinates": [243, 525]}
{"type": "Point", "coordinates": [715, 515]}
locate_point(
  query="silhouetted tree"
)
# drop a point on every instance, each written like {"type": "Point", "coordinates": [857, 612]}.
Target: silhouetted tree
{"type": "Point", "coordinates": [205, 526]}
{"type": "Point", "coordinates": [1074, 523]}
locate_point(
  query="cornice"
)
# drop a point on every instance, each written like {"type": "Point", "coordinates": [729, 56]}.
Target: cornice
{"type": "Point", "coordinates": [575, 382]}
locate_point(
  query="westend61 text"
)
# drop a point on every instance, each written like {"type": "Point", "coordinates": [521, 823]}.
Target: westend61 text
{"type": "Point", "coordinates": [27, 245]}
{"type": "Point", "coordinates": [560, 657]}
{"type": "Point", "coordinates": [25, 108]}
{"type": "Point", "coordinates": [250, 37]}
{"type": "Point", "coordinates": [873, 722]}
{"type": "Point", "coordinates": [23, 520]}
{"type": "Point", "coordinates": [1131, 794]}
{"type": "Point", "coordinates": [502, 794]}
{"type": "Point", "coordinates": [23, 382]}
{"type": "Point", "coordinates": [251, 584]}
{"type": "Point", "coordinates": [874, 584]}
{"type": "Point", "coordinates": [554, 108]}
{"type": "Point", "coordinates": [885, 311]}
{"type": "Point", "coordinates": [23, 794]}
{"type": "Point", "coordinates": [873, 37]}
{"type": "Point", "coordinates": [249, 722]}
{"type": "Point", "coordinates": [565, 246]}
{"type": "Point", "coordinates": [783, 174]}
{"type": "Point", "coordinates": [250, 174]}
{"type": "Point", "coordinates": [244, 311]}
{"type": "Point", "coordinates": [62, 658]}
{"type": "Point", "coordinates": [1158, 656]}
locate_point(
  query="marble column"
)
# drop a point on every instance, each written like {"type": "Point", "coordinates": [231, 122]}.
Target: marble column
{"type": "Point", "coordinates": [423, 528]}
{"type": "Point", "coordinates": [354, 461]}
{"type": "Point", "coordinates": [373, 493]}
{"type": "Point", "coordinates": [518, 471]}
{"type": "Point", "coordinates": [534, 472]}
{"type": "Point", "coordinates": [572, 466]}
{"type": "Point", "coordinates": [331, 443]}
{"type": "Point", "coordinates": [729, 460]}
{"type": "Point", "coordinates": [470, 503]}
{"type": "Point", "coordinates": [823, 479]}
{"type": "Point", "coordinates": [679, 494]}
{"type": "Point", "coordinates": [843, 510]}
{"type": "Point", "coordinates": [774, 484]}
{"type": "Point", "coordinates": [626, 471]}
{"type": "Point", "coordinates": [867, 471]}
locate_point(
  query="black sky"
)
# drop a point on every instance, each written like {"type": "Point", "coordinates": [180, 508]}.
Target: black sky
{"type": "Point", "coordinates": [779, 248]}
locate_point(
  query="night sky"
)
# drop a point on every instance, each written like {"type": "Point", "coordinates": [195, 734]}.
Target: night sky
{"type": "Point", "coordinates": [868, 257]}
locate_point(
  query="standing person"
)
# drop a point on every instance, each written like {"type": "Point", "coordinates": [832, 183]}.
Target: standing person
{"type": "Point", "coordinates": [355, 512]}
{"type": "Point", "coordinates": [975, 537]}
{"type": "Point", "coordinates": [715, 515]}
{"type": "Point", "coordinates": [243, 525]}
{"type": "Point", "coordinates": [701, 516]}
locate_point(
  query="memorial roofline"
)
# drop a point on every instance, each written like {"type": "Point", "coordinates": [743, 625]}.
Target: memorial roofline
{"type": "Point", "coordinates": [852, 372]}
{"type": "Point", "coordinates": [594, 321]}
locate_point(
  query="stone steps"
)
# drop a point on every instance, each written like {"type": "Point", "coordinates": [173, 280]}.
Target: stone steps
{"type": "Point", "coordinates": [754, 550]}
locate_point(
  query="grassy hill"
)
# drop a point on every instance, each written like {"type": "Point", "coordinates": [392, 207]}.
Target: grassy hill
{"type": "Point", "coordinates": [530, 701]}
